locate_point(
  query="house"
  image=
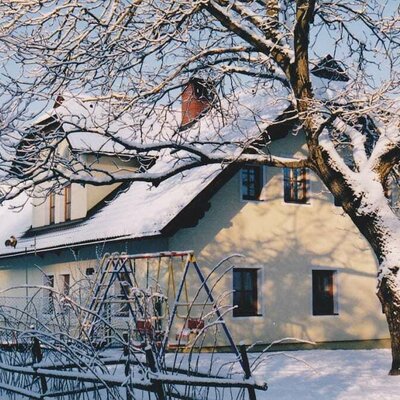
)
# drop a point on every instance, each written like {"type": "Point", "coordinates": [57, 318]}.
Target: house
{"type": "Point", "coordinates": [306, 273]}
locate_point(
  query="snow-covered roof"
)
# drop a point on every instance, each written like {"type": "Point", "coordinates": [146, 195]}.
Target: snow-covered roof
{"type": "Point", "coordinates": [142, 210]}
{"type": "Point", "coordinates": [91, 142]}
{"type": "Point", "coordinates": [139, 212]}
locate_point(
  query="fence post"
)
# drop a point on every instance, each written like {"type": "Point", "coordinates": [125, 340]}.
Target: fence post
{"type": "Point", "coordinates": [247, 371]}
{"type": "Point", "coordinates": [152, 364]}
{"type": "Point", "coordinates": [127, 353]}
{"type": "Point", "coordinates": [37, 357]}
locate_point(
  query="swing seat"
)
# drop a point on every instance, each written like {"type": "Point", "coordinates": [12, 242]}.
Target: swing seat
{"type": "Point", "coordinates": [195, 324]}
{"type": "Point", "coordinates": [145, 327]}
{"type": "Point", "coordinates": [183, 336]}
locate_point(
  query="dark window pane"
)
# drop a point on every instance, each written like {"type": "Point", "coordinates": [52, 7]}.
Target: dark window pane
{"type": "Point", "coordinates": [337, 202]}
{"type": "Point", "coordinates": [323, 292]}
{"type": "Point", "coordinates": [286, 185]}
{"type": "Point", "coordinates": [252, 182]}
{"type": "Point", "coordinates": [66, 284]}
{"type": "Point", "coordinates": [245, 295]}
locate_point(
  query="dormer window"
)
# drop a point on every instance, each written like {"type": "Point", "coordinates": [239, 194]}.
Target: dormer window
{"type": "Point", "coordinates": [52, 201]}
{"type": "Point", "coordinates": [252, 181]}
{"type": "Point", "coordinates": [67, 203]}
{"type": "Point", "coordinates": [295, 185]}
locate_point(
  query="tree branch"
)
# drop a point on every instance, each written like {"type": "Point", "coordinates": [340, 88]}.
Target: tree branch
{"type": "Point", "coordinates": [266, 46]}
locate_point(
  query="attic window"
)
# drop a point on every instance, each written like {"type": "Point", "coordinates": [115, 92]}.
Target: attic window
{"type": "Point", "coordinates": [52, 205]}
{"type": "Point", "coordinates": [252, 180]}
{"type": "Point", "coordinates": [295, 185]}
{"type": "Point", "coordinates": [67, 203]}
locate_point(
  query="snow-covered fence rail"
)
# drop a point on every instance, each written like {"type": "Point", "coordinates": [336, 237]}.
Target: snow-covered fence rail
{"type": "Point", "coordinates": [77, 380]}
{"type": "Point", "coordinates": [146, 384]}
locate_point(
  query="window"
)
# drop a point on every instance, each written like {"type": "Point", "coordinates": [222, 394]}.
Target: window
{"type": "Point", "coordinates": [52, 208]}
{"type": "Point", "coordinates": [252, 182]}
{"type": "Point", "coordinates": [324, 293]}
{"type": "Point", "coordinates": [48, 299]}
{"type": "Point", "coordinates": [66, 282]}
{"type": "Point", "coordinates": [65, 290]}
{"type": "Point", "coordinates": [245, 296]}
{"type": "Point", "coordinates": [295, 185]}
{"type": "Point", "coordinates": [67, 203]}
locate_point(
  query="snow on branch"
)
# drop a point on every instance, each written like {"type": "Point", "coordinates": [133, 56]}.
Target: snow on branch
{"type": "Point", "coordinates": [386, 153]}
{"type": "Point", "coordinates": [357, 141]}
{"type": "Point", "coordinates": [281, 55]}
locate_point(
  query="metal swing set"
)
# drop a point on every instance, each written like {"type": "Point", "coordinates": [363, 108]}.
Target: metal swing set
{"type": "Point", "coordinates": [140, 288]}
{"type": "Point", "coordinates": [151, 304]}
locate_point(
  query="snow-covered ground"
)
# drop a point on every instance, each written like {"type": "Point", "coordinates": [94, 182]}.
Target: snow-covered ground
{"type": "Point", "coordinates": [294, 375]}
{"type": "Point", "coordinates": [328, 375]}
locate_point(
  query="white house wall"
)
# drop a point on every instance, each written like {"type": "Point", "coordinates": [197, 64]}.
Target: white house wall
{"type": "Point", "coordinates": [31, 269]}
{"type": "Point", "coordinates": [41, 209]}
{"type": "Point", "coordinates": [288, 241]}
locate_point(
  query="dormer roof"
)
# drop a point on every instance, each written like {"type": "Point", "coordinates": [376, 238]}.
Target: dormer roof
{"type": "Point", "coordinates": [329, 68]}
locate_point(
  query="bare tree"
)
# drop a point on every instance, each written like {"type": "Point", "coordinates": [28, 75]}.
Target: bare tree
{"type": "Point", "coordinates": [132, 59]}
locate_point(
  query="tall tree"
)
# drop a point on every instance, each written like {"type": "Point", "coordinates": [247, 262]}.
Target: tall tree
{"type": "Point", "coordinates": [134, 56]}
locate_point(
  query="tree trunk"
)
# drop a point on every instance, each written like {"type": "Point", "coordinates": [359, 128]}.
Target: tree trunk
{"type": "Point", "coordinates": [377, 233]}
{"type": "Point", "coordinates": [389, 295]}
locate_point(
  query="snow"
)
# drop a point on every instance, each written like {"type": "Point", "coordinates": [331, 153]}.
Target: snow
{"type": "Point", "coordinates": [95, 143]}
{"type": "Point", "coordinates": [319, 374]}
{"type": "Point", "coordinates": [329, 375]}
{"type": "Point", "coordinates": [290, 375]}
{"type": "Point", "coordinates": [16, 218]}
{"type": "Point", "coordinates": [88, 121]}
{"type": "Point", "coordinates": [150, 209]}
{"type": "Point", "coordinates": [246, 113]}
{"type": "Point", "coordinates": [323, 374]}
{"type": "Point", "coordinates": [333, 91]}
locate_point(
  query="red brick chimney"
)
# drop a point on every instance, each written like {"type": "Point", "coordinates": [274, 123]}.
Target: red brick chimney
{"type": "Point", "coordinates": [197, 98]}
